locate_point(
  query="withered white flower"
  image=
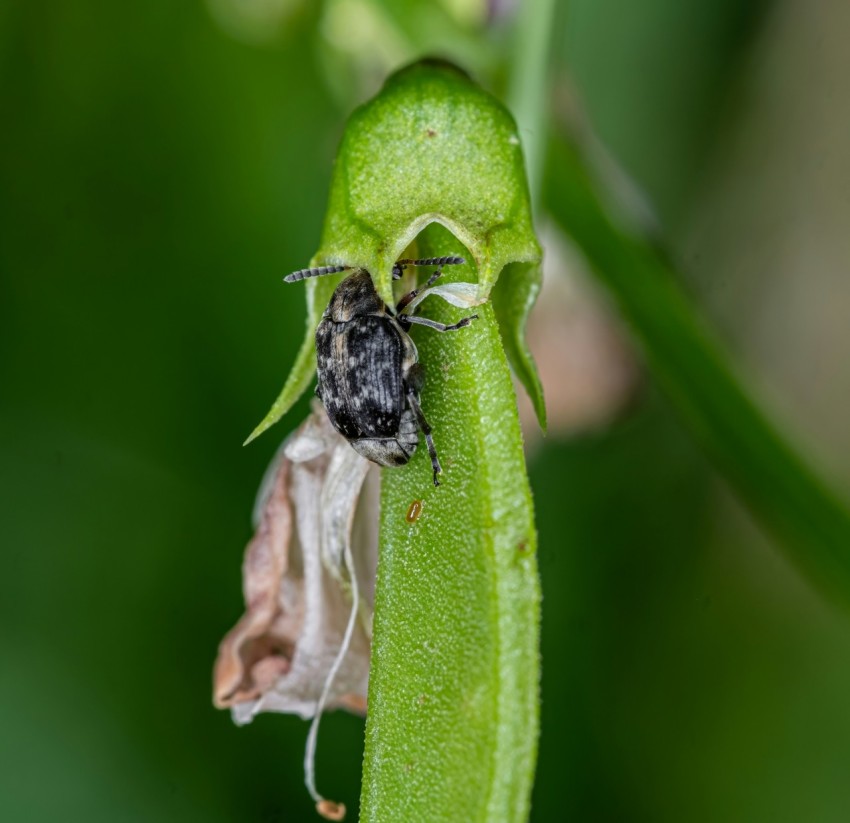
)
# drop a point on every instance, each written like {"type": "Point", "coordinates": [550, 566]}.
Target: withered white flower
{"type": "Point", "coordinates": [308, 577]}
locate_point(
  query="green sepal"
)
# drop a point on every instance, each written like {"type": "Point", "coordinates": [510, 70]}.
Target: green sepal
{"type": "Point", "coordinates": [319, 291]}
{"type": "Point", "coordinates": [513, 298]}
{"type": "Point", "coordinates": [431, 147]}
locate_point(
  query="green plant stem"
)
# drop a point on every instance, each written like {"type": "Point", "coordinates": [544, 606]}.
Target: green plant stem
{"type": "Point", "coordinates": [529, 87]}
{"type": "Point", "coordinates": [691, 367]}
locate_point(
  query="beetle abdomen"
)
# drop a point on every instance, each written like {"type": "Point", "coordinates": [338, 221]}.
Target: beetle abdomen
{"type": "Point", "coordinates": [360, 376]}
{"type": "Point", "coordinates": [386, 452]}
{"type": "Point", "coordinates": [391, 451]}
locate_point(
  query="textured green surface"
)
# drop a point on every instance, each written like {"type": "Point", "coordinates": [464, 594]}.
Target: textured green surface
{"type": "Point", "coordinates": [452, 726]}
{"type": "Point", "coordinates": [432, 146]}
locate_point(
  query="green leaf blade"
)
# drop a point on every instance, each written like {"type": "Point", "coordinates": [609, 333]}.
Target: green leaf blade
{"type": "Point", "coordinates": [813, 524]}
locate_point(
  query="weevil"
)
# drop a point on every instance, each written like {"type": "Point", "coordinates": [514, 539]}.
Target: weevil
{"type": "Point", "coordinates": [369, 372]}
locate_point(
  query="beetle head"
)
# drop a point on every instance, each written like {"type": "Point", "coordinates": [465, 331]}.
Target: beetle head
{"type": "Point", "coordinates": [354, 297]}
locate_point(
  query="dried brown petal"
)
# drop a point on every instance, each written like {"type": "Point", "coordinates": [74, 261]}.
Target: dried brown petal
{"type": "Point", "coordinates": [297, 591]}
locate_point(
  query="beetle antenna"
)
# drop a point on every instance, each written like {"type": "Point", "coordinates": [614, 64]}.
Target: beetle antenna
{"type": "Point", "coordinates": [302, 274]}
{"type": "Point", "coordinates": [400, 265]}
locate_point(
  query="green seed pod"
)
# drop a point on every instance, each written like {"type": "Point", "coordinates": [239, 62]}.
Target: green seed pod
{"type": "Point", "coordinates": [435, 163]}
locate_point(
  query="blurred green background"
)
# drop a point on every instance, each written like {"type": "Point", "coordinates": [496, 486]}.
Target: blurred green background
{"type": "Point", "coordinates": [163, 164]}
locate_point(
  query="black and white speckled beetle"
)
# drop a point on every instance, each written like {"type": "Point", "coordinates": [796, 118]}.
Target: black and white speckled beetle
{"type": "Point", "coordinates": [369, 371]}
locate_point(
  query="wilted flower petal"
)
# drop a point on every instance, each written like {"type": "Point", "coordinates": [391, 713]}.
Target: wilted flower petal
{"type": "Point", "coordinates": [297, 588]}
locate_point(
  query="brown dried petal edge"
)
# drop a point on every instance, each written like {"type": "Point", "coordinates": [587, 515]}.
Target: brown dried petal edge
{"type": "Point", "coordinates": [277, 656]}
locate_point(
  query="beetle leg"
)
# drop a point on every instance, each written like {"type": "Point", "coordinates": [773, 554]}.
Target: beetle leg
{"type": "Point", "coordinates": [407, 319]}
{"type": "Point", "coordinates": [413, 402]}
{"type": "Point", "coordinates": [410, 295]}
